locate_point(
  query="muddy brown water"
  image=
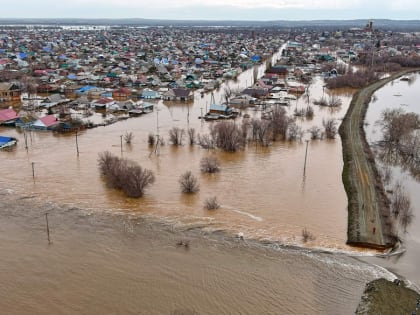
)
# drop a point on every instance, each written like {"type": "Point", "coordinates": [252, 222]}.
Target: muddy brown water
{"type": "Point", "coordinates": [103, 261]}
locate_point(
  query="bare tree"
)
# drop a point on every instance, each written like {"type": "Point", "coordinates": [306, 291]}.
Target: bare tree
{"type": "Point", "coordinates": [309, 114]}
{"type": "Point", "coordinates": [227, 136]}
{"type": "Point", "coordinates": [294, 132]}
{"type": "Point", "coordinates": [316, 132]}
{"type": "Point", "coordinates": [189, 183]}
{"type": "Point", "coordinates": [128, 137]}
{"type": "Point", "coordinates": [210, 164]}
{"type": "Point", "coordinates": [191, 136]}
{"type": "Point", "coordinates": [124, 174]}
{"type": "Point", "coordinates": [334, 101]}
{"type": "Point", "coordinates": [211, 203]}
{"type": "Point", "coordinates": [206, 142]}
{"type": "Point", "coordinates": [227, 93]}
{"type": "Point", "coordinates": [330, 127]}
{"type": "Point", "coordinates": [261, 131]}
{"type": "Point", "coordinates": [280, 123]}
{"type": "Point", "coordinates": [151, 139]}
{"type": "Point", "coordinates": [176, 135]}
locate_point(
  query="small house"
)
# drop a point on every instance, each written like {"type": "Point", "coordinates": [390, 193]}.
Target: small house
{"type": "Point", "coordinates": [48, 122]}
{"type": "Point", "coordinates": [8, 116]}
{"type": "Point", "coordinates": [179, 94]}
{"type": "Point", "coordinates": [9, 92]}
{"type": "Point", "coordinates": [103, 103]}
{"type": "Point", "coordinates": [150, 94]}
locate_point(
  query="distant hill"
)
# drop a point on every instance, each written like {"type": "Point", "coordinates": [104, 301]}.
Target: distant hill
{"type": "Point", "coordinates": [408, 25]}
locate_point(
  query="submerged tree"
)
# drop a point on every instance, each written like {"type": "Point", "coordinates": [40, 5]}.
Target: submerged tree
{"type": "Point", "coordinates": [124, 174]}
{"type": "Point", "coordinates": [210, 164]}
{"type": "Point", "coordinates": [189, 183]}
{"type": "Point", "coordinates": [176, 135]}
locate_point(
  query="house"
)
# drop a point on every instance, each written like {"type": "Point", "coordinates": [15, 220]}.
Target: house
{"type": "Point", "coordinates": [220, 109]}
{"type": "Point", "coordinates": [53, 100]}
{"type": "Point", "coordinates": [8, 116]}
{"type": "Point", "coordinates": [278, 70]}
{"type": "Point", "coordinates": [103, 103]}
{"type": "Point", "coordinates": [150, 94]}
{"type": "Point", "coordinates": [121, 94]}
{"type": "Point", "coordinates": [48, 122]}
{"type": "Point", "coordinates": [179, 94]}
{"type": "Point", "coordinates": [256, 92]}
{"type": "Point", "coordinates": [242, 100]}
{"type": "Point", "coordinates": [9, 92]}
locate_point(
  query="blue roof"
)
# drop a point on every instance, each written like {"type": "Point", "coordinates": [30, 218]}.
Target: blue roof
{"type": "Point", "coordinates": [4, 140]}
{"type": "Point", "coordinates": [85, 88]}
{"type": "Point", "coordinates": [220, 108]}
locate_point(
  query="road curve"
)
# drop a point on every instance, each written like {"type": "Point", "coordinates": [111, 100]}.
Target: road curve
{"type": "Point", "coordinates": [369, 221]}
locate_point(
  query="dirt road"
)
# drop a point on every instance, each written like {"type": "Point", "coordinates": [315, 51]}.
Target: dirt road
{"type": "Point", "coordinates": [369, 222]}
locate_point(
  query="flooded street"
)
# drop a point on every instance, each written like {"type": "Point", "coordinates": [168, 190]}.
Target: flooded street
{"type": "Point", "coordinates": [112, 254]}
{"type": "Point", "coordinates": [399, 95]}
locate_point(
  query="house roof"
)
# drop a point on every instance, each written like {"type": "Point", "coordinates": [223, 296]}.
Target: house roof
{"type": "Point", "coordinates": [181, 92]}
{"type": "Point", "coordinates": [219, 107]}
{"type": "Point", "coordinates": [4, 86]}
{"type": "Point", "coordinates": [47, 121]}
{"type": "Point", "coordinates": [8, 114]}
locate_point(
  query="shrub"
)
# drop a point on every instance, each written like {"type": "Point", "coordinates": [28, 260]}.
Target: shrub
{"type": "Point", "coordinates": [176, 135]}
{"type": "Point", "coordinates": [307, 236]}
{"type": "Point", "coordinates": [191, 136]}
{"type": "Point", "coordinates": [210, 164]}
{"type": "Point", "coordinates": [330, 126]}
{"type": "Point", "coordinates": [211, 203]}
{"type": "Point", "coordinates": [151, 139]}
{"type": "Point", "coordinates": [189, 183]}
{"type": "Point", "coordinates": [124, 174]}
{"type": "Point", "coordinates": [128, 137]}
{"type": "Point", "coordinates": [227, 136]}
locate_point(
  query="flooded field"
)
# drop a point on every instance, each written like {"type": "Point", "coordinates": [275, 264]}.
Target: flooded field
{"type": "Point", "coordinates": [119, 255]}
{"type": "Point", "coordinates": [399, 95]}
{"type": "Point", "coordinates": [262, 190]}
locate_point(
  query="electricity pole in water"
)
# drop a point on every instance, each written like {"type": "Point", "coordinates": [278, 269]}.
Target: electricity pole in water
{"type": "Point", "coordinates": [306, 154]}
{"type": "Point", "coordinates": [48, 228]}
{"type": "Point", "coordinates": [77, 145]}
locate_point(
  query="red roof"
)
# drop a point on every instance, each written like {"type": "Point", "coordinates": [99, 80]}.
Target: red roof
{"type": "Point", "coordinates": [8, 114]}
{"type": "Point", "coordinates": [49, 120]}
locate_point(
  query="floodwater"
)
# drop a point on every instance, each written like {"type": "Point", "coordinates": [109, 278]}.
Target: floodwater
{"type": "Point", "coordinates": [112, 254]}
{"type": "Point", "coordinates": [403, 95]}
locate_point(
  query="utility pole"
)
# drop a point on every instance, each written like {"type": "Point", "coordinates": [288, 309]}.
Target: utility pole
{"type": "Point", "coordinates": [306, 154]}
{"type": "Point", "coordinates": [48, 228]}
{"type": "Point", "coordinates": [77, 144]}
{"type": "Point", "coordinates": [33, 170]}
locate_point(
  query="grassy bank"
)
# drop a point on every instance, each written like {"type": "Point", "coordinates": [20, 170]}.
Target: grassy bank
{"type": "Point", "coordinates": [384, 297]}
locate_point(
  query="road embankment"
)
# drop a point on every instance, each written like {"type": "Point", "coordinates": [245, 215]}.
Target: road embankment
{"type": "Point", "coordinates": [369, 217]}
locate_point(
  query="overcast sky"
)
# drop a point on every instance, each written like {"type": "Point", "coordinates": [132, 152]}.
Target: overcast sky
{"type": "Point", "coordinates": [213, 9]}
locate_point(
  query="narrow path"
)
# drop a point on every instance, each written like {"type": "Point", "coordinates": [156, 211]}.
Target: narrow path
{"type": "Point", "coordinates": [369, 222]}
